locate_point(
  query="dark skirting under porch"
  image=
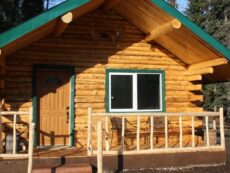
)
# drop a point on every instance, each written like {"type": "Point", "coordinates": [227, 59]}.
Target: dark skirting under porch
{"type": "Point", "coordinates": [114, 163]}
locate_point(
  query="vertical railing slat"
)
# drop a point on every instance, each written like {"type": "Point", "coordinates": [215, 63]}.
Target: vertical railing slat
{"type": "Point", "coordinates": [138, 132]}
{"type": "Point", "coordinates": [14, 134]}
{"type": "Point", "coordinates": [193, 132]}
{"type": "Point", "coordinates": [207, 131]}
{"type": "Point", "coordinates": [123, 134]}
{"type": "Point", "coordinates": [214, 123]}
{"type": "Point", "coordinates": [181, 131]}
{"type": "Point", "coordinates": [222, 137]}
{"type": "Point", "coordinates": [107, 138]}
{"type": "Point", "coordinates": [89, 144]}
{"type": "Point", "coordinates": [151, 132]}
{"type": "Point", "coordinates": [166, 132]}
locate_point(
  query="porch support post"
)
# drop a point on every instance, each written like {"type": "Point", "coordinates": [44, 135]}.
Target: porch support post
{"type": "Point", "coordinates": [163, 29]}
{"type": "Point", "coordinates": [99, 147]}
{"type": "Point", "coordinates": [31, 141]}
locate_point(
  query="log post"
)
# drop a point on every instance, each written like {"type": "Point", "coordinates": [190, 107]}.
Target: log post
{"type": "Point", "coordinates": [63, 23]}
{"type": "Point", "coordinates": [164, 29]}
{"type": "Point", "coordinates": [99, 147]}
{"type": "Point", "coordinates": [31, 141]}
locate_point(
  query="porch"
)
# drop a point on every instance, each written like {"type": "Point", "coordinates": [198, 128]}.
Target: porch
{"type": "Point", "coordinates": [182, 138]}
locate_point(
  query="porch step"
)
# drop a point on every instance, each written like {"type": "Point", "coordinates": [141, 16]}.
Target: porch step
{"type": "Point", "coordinates": [70, 168]}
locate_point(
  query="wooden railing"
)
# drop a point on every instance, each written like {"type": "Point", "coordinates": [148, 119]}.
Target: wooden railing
{"type": "Point", "coordinates": [216, 125]}
{"type": "Point", "coordinates": [31, 126]}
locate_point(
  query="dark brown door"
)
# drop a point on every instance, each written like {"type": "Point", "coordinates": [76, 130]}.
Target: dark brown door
{"type": "Point", "coordinates": [53, 95]}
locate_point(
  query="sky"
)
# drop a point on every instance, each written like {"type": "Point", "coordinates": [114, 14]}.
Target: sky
{"type": "Point", "coordinates": [182, 5]}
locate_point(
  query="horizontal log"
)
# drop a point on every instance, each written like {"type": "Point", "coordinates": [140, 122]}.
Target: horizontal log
{"type": "Point", "coordinates": [195, 78]}
{"type": "Point", "coordinates": [201, 71]}
{"type": "Point", "coordinates": [211, 63]}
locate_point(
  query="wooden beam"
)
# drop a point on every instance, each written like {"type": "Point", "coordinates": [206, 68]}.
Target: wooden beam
{"type": "Point", "coordinates": [194, 78]}
{"type": "Point", "coordinates": [211, 63]}
{"type": "Point", "coordinates": [110, 4]}
{"type": "Point", "coordinates": [164, 29]}
{"type": "Point", "coordinates": [201, 71]}
{"type": "Point", "coordinates": [63, 23]}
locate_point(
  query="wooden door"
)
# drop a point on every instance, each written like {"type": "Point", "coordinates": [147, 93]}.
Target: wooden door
{"type": "Point", "coordinates": [53, 95]}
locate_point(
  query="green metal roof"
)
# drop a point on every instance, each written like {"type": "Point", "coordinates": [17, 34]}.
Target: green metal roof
{"type": "Point", "coordinates": [193, 27]}
{"type": "Point", "coordinates": [47, 16]}
{"type": "Point", "coordinates": [34, 23]}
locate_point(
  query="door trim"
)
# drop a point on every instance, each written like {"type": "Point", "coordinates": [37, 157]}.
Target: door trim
{"type": "Point", "coordinates": [72, 95]}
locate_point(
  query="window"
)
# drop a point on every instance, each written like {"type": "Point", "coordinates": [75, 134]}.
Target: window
{"type": "Point", "coordinates": [135, 90]}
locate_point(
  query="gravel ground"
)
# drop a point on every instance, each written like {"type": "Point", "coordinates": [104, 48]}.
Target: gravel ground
{"type": "Point", "coordinates": [210, 169]}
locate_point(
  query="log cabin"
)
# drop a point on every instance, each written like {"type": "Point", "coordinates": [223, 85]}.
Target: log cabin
{"type": "Point", "coordinates": [137, 65]}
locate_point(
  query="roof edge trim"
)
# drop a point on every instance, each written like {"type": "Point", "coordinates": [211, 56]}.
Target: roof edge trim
{"type": "Point", "coordinates": [193, 27]}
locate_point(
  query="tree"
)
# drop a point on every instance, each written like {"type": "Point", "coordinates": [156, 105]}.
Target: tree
{"type": "Point", "coordinates": [214, 17]}
{"type": "Point", "coordinates": [13, 12]}
{"type": "Point", "coordinates": [173, 3]}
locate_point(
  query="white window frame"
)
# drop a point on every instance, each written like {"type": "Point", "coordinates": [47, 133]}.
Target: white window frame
{"type": "Point", "coordinates": [135, 94]}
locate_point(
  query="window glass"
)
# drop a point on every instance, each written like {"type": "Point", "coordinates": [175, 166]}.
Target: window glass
{"type": "Point", "coordinates": [121, 92]}
{"type": "Point", "coordinates": [148, 91]}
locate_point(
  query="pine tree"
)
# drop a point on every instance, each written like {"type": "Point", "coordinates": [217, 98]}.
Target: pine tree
{"type": "Point", "coordinates": [173, 3]}
{"type": "Point", "coordinates": [214, 17]}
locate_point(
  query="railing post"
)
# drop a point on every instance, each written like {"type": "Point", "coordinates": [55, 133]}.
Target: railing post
{"type": "Point", "coordinates": [31, 141]}
{"type": "Point", "coordinates": [166, 132]}
{"type": "Point", "coordinates": [14, 134]}
{"type": "Point", "coordinates": [193, 132]}
{"type": "Point", "coordinates": [207, 131]}
{"type": "Point", "coordinates": [222, 137]}
{"type": "Point", "coordinates": [1, 147]}
{"type": "Point", "coordinates": [181, 131]}
{"type": "Point", "coordinates": [151, 132]}
{"type": "Point", "coordinates": [99, 147]}
{"type": "Point", "coordinates": [138, 133]}
{"type": "Point", "coordinates": [30, 150]}
{"type": "Point", "coordinates": [89, 142]}
{"type": "Point", "coordinates": [123, 134]}
{"type": "Point", "coordinates": [107, 133]}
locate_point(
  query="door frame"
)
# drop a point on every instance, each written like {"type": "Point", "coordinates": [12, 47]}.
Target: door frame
{"type": "Point", "coordinates": [72, 95]}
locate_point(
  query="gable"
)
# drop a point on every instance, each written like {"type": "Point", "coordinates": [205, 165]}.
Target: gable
{"type": "Point", "coordinates": [189, 43]}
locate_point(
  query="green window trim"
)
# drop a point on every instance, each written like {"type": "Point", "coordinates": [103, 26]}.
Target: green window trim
{"type": "Point", "coordinates": [162, 72]}
{"type": "Point", "coordinates": [72, 95]}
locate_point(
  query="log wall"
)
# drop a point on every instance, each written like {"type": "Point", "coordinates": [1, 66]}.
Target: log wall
{"type": "Point", "coordinates": [90, 44]}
